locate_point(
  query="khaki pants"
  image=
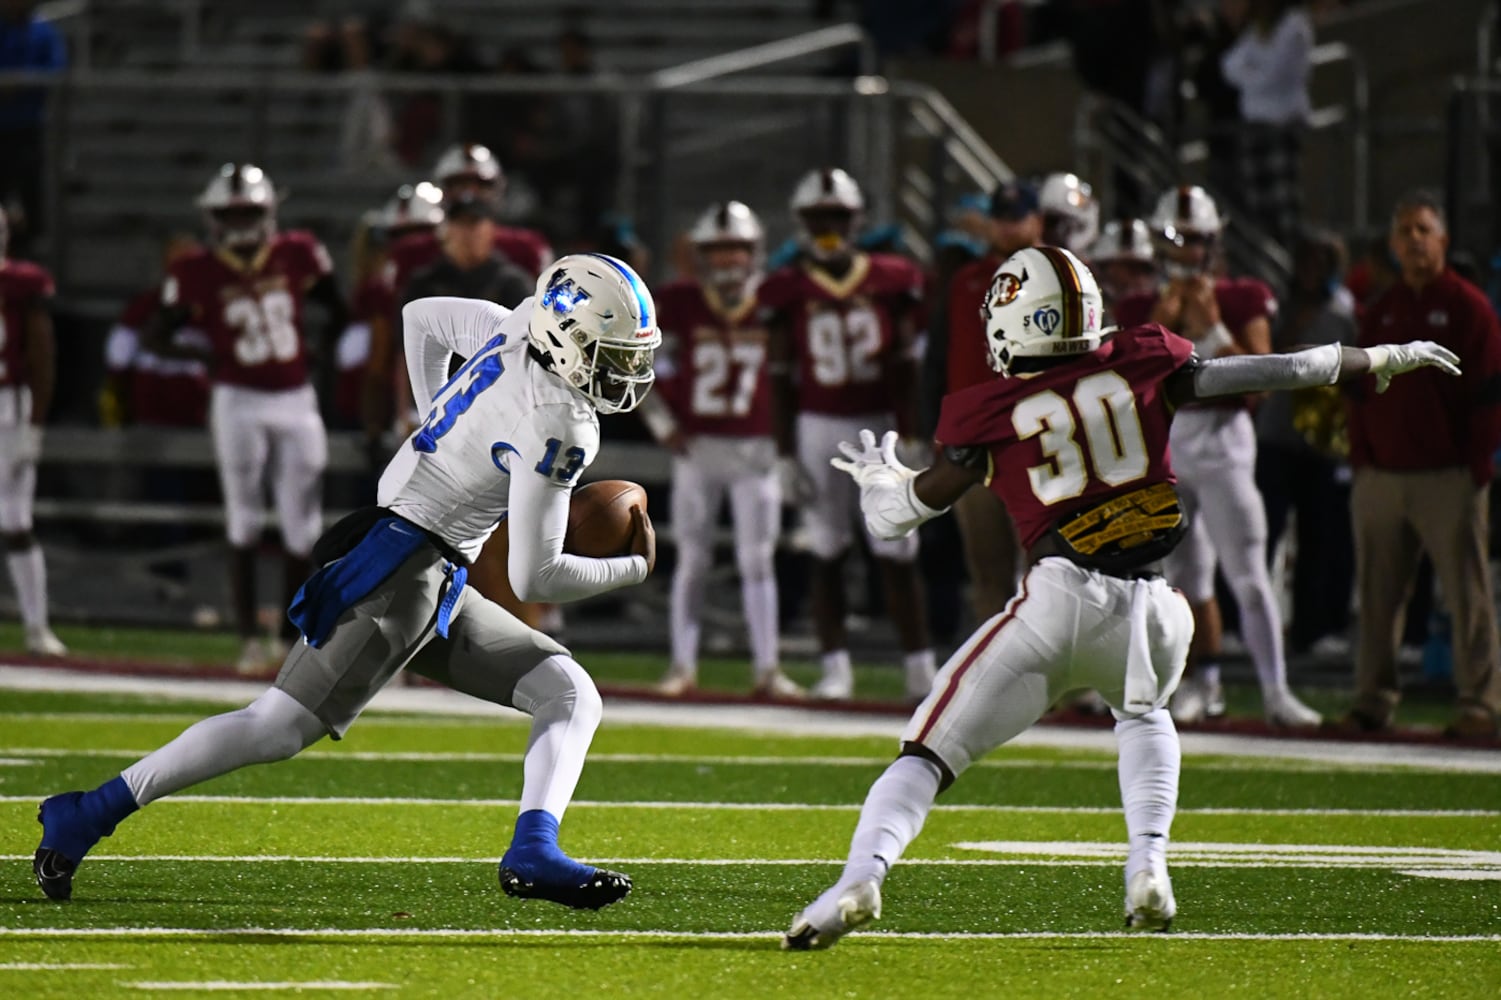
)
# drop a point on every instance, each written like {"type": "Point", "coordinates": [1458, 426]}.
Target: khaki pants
{"type": "Point", "coordinates": [990, 550]}
{"type": "Point", "coordinates": [1396, 517]}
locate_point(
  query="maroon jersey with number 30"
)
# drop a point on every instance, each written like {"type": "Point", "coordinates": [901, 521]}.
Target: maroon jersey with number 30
{"type": "Point", "coordinates": [845, 330]}
{"type": "Point", "coordinates": [718, 386]}
{"type": "Point", "coordinates": [252, 311]}
{"type": "Point", "coordinates": [1074, 434]}
{"type": "Point", "coordinates": [23, 285]}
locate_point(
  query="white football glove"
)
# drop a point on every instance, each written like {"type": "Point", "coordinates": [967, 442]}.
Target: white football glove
{"type": "Point", "coordinates": [798, 487]}
{"type": "Point", "coordinates": [891, 508]}
{"type": "Point", "coordinates": [1390, 360]}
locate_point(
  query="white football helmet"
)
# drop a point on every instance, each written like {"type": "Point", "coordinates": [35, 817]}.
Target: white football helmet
{"type": "Point", "coordinates": [1185, 220]}
{"type": "Point", "coordinates": [413, 207]}
{"type": "Point", "coordinates": [467, 161]}
{"type": "Point", "coordinates": [1043, 302]}
{"type": "Point", "coordinates": [594, 321]}
{"type": "Point", "coordinates": [240, 206]}
{"type": "Point", "coordinates": [1070, 212]}
{"type": "Point", "coordinates": [728, 223]}
{"type": "Point", "coordinates": [1123, 239]}
{"type": "Point", "coordinates": [829, 190]}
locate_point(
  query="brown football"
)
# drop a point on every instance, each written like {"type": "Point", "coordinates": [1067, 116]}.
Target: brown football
{"type": "Point", "coordinates": [599, 519]}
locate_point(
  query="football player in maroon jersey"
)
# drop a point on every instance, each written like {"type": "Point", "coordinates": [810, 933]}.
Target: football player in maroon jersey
{"type": "Point", "coordinates": [28, 358]}
{"type": "Point", "coordinates": [469, 170]}
{"type": "Point", "coordinates": [246, 291]}
{"type": "Point", "coordinates": [1074, 438]}
{"type": "Point", "coordinates": [712, 408]}
{"type": "Point", "coordinates": [843, 357]}
{"type": "Point", "coordinates": [1215, 450]}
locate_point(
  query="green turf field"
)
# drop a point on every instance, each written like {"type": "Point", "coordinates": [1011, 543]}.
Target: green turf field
{"type": "Point", "coordinates": [369, 866]}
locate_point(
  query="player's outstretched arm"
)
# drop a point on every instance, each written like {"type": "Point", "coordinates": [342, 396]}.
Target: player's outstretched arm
{"type": "Point", "coordinates": [437, 328]}
{"type": "Point", "coordinates": [1327, 365]}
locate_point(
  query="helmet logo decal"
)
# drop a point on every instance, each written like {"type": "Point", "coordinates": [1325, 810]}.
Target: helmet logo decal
{"type": "Point", "coordinates": [563, 296]}
{"type": "Point", "coordinates": [1007, 286]}
{"type": "Point", "coordinates": [1047, 319]}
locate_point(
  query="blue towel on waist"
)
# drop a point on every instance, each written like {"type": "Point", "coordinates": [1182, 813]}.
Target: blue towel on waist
{"type": "Point", "coordinates": [341, 584]}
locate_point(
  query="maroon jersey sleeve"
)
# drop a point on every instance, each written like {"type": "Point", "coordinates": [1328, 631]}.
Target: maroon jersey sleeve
{"type": "Point", "coordinates": [1243, 301]}
{"type": "Point", "coordinates": [526, 248]}
{"type": "Point", "coordinates": [307, 261]}
{"type": "Point", "coordinates": [139, 310]}
{"type": "Point", "coordinates": [372, 298]}
{"type": "Point", "coordinates": [1135, 310]}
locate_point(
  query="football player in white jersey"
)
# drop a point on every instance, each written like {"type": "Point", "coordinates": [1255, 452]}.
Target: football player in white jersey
{"type": "Point", "coordinates": [505, 438]}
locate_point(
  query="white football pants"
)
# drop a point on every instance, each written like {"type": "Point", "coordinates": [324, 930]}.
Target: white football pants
{"type": "Point", "coordinates": [831, 517]}
{"type": "Point", "coordinates": [256, 431]}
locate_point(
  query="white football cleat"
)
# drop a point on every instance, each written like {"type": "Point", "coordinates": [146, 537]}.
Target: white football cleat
{"type": "Point", "coordinates": [677, 682]}
{"type": "Point", "coordinates": [253, 657]}
{"type": "Point", "coordinates": [775, 684]}
{"type": "Point", "coordinates": [1285, 711]}
{"type": "Point", "coordinates": [1149, 901]}
{"type": "Point", "coordinates": [821, 925]}
{"type": "Point", "coordinates": [1189, 704]}
{"type": "Point", "coordinates": [833, 688]}
{"type": "Point", "coordinates": [42, 642]}
{"type": "Point", "coordinates": [1214, 699]}
{"type": "Point", "coordinates": [919, 681]}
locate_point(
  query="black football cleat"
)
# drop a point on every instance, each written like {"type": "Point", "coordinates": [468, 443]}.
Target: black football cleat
{"type": "Point", "coordinates": [54, 873]}
{"type": "Point", "coordinates": [600, 890]}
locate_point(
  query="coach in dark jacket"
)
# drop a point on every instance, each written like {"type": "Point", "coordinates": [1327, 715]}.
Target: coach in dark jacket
{"type": "Point", "coordinates": [1422, 453]}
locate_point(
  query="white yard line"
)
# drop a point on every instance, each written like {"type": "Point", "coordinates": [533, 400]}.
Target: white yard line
{"type": "Point", "coordinates": [59, 966]}
{"type": "Point", "coordinates": [764, 719]}
{"type": "Point", "coordinates": [501, 934]}
{"type": "Point", "coordinates": [224, 985]}
{"type": "Point", "coordinates": [353, 800]}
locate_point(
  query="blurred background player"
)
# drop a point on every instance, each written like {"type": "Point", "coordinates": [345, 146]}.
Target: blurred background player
{"type": "Point", "coordinates": [247, 291]}
{"type": "Point", "coordinates": [470, 171]}
{"type": "Point", "coordinates": [1122, 261]}
{"type": "Point", "coordinates": [28, 371]}
{"type": "Point", "coordinates": [712, 409]}
{"type": "Point", "coordinates": [1070, 213]}
{"type": "Point", "coordinates": [842, 334]}
{"type": "Point", "coordinates": [370, 387]}
{"type": "Point", "coordinates": [991, 553]}
{"type": "Point", "coordinates": [1214, 451]}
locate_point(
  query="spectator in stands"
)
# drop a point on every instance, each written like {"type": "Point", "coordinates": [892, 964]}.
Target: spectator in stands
{"type": "Point", "coordinates": [348, 47]}
{"type": "Point", "coordinates": [1270, 63]}
{"type": "Point", "coordinates": [579, 156]}
{"type": "Point", "coordinates": [1207, 34]}
{"type": "Point", "coordinates": [28, 43]}
{"type": "Point", "coordinates": [430, 48]}
{"type": "Point", "coordinates": [1422, 453]}
{"type": "Point", "coordinates": [1302, 446]}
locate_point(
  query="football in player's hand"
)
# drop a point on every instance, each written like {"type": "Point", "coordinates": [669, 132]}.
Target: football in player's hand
{"type": "Point", "coordinates": [599, 519]}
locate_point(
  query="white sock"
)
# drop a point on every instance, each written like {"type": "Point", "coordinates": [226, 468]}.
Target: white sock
{"type": "Point", "coordinates": [1150, 758]}
{"type": "Point", "coordinates": [565, 708]}
{"type": "Point", "coordinates": [920, 667]}
{"type": "Point", "coordinates": [892, 817]}
{"type": "Point", "coordinates": [836, 666]}
{"type": "Point", "coordinates": [273, 727]}
{"type": "Point", "coordinates": [685, 608]}
{"type": "Point", "coordinates": [1261, 628]}
{"type": "Point", "coordinates": [1209, 673]}
{"type": "Point", "coordinates": [28, 572]}
{"type": "Point", "coordinates": [759, 598]}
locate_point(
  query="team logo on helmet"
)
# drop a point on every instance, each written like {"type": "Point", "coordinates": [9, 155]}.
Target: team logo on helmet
{"type": "Point", "coordinates": [1047, 319]}
{"type": "Point", "coordinates": [563, 296]}
{"type": "Point", "coordinates": [1007, 286]}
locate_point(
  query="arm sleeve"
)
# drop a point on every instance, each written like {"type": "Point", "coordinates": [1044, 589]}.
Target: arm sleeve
{"type": "Point", "coordinates": [1235, 374]}
{"type": "Point", "coordinates": [537, 516]}
{"type": "Point", "coordinates": [435, 329]}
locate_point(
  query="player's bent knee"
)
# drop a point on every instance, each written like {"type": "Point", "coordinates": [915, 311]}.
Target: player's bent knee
{"type": "Point", "coordinates": [756, 564]}
{"type": "Point", "coordinates": [281, 727]}
{"type": "Point", "coordinates": [559, 686]}
{"type": "Point", "coordinates": [946, 776]}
